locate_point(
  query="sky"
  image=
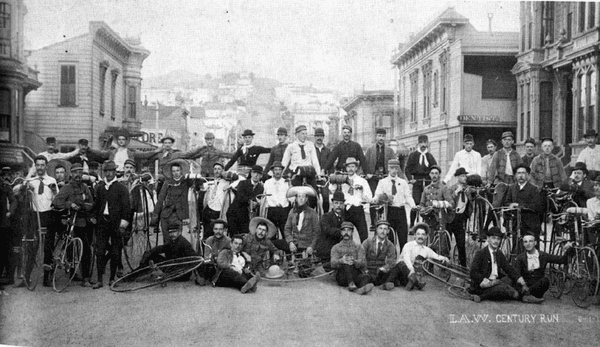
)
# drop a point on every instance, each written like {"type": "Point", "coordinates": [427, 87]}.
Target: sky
{"type": "Point", "coordinates": [342, 45]}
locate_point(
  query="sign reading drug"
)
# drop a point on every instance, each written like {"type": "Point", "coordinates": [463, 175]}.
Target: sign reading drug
{"type": "Point", "coordinates": [154, 136]}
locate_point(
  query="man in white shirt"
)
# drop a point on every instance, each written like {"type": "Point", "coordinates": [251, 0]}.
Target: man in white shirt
{"type": "Point", "coordinates": [593, 204]}
{"type": "Point", "coordinates": [414, 253]}
{"type": "Point", "coordinates": [52, 152]}
{"type": "Point", "coordinates": [232, 269]}
{"type": "Point", "coordinates": [396, 192]}
{"type": "Point", "coordinates": [44, 190]}
{"type": "Point", "coordinates": [276, 188]}
{"type": "Point", "coordinates": [301, 153]}
{"type": "Point", "coordinates": [591, 154]}
{"type": "Point", "coordinates": [214, 199]}
{"type": "Point", "coordinates": [466, 158]}
{"type": "Point", "coordinates": [358, 195]}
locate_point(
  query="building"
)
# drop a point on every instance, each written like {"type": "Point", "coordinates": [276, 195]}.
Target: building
{"type": "Point", "coordinates": [453, 80]}
{"type": "Point", "coordinates": [557, 73]}
{"type": "Point", "coordinates": [17, 79]}
{"type": "Point", "coordinates": [369, 110]}
{"type": "Point", "coordinates": [91, 85]}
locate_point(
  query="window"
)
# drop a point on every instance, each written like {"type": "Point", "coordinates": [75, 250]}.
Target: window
{"type": "Point", "coordinates": [132, 102]}
{"type": "Point", "coordinates": [67, 85]}
{"type": "Point", "coordinates": [427, 90]}
{"type": "Point", "coordinates": [569, 26]}
{"type": "Point", "coordinates": [5, 33]}
{"type": "Point", "coordinates": [5, 115]}
{"type": "Point", "coordinates": [414, 77]}
{"type": "Point", "coordinates": [591, 15]}
{"type": "Point", "coordinates": [522, 115]}
{"type": "Point", "coordinates": [592, 93]}
{"type": "Point", "coordinates": [436, 86]}
{"type": "Point", "coordinates": [581, 89]}
{"type": "Point", "coordinates": [528, 111]}
{"type": "Point", "coordinates": [113, 95]}
{"type": "Point", "coordinates": [523, 36]}
{"type": "Point", "coordinates": [103, 69]}
{"type": "Point", "coordinates": [547, 22]}
{"type": "Point", "coordinates": [581, 19]}
{"type": "Point", "coordinates": [443, 81]}
{"type": "Point", "coordinates": [529, 35]}
{"type": "Point", "coordinates": [546, 101]}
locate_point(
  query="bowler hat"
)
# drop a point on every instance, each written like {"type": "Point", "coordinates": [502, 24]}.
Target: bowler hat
{"type": "Point", "coordinates": [460, 171]}
{"type": "Point", "coordinates": [271, 228]}
{"type": "Point", "coordinates": [282, 131]}
{"type": "Point", "coordinates": [590, 133]}
{"type": "Point", "coordinates": [380, 131]}
{"type": "Point", "coordinates": [109, 165]}
{"type": "Point", "coordinates": [167, 138]}
{"type": "Point", "coordinates": [580, 166]}
{"type": "Point", "coordinates": [468, 137]}
{"type": "Point", "coordinates": [209, 135]}
{"type": "Point", "coordinates": [306, 190]}
{"type": "Point", "coordinates": [494, 231]}
{"type": "Point", "coordinates": [248, 132]}
{"type": "Point", "coordinates": [300, 128]}
{"type": "Point", "coordinates": [338, 196]}
{"type": "Point", "coordinates": [507, 134]}
{"type": "Point", "coordinates": [319, 132]}
{"type": "Point", "coordinates": [422, 138]}
{"type": "Point", "coordinates": [50, 140]}
{"type": "Point", "coordinates": [347, 225]}
{"type": "Point", "coordinates": [257, 168]}
{"type": "Point", "coordinates": [185, 167]}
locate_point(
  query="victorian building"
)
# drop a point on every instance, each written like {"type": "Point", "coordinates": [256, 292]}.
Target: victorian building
{"type": "Point", "coordinates": [17, 79]}
{"type": "Point", "coordinates": [368, 110]}
{"type": "Point", "coordinates": [454, 80]}
{"type": "Point", "coordinates": [557, 73]}
{"type": "Point", "coordinates": [91, 87]}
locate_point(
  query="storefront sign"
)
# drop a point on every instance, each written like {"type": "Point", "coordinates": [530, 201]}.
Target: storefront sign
{"type": "Point", "coordinates": [478, 119]}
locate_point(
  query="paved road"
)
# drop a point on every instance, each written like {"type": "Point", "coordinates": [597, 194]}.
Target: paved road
{"type": "Point", "coordinates": [311, 313]}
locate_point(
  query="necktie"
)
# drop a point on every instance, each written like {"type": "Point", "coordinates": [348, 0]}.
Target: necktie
{"type": "Point", "coordinates": [351, 189]}
{"type": "Point", "coordinates": [394, 189]}
{"type": "Point", "coordinates": [423, 160]}
{"type": "Point", "coordinates": [302, 152]}
{"type": "Point", "coordinates": [508, 170]}
{"type": "Point", "coordinates": [41, 187]}
{"type": "Point", "coordinates": [461, 202]}
{"type": "Point", "coordinates": [379, 248]}
{"type": "Point", "coordinates": [548, 172]}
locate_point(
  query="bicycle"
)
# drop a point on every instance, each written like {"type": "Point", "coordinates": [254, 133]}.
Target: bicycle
{"type": "Point", "coordinates": [155, 274]}
{"type": "Point", "coordinates": [139, 241]}
{"type": "Point", "coordinates": [457, 281]}
{"type": "Point", "coordinates": [67, 257]}
{"type": "Point", "coordinates": [31, 254]}
{"type": "Point", "coordinates": [297, 267]}
{"type": "Point", "coordinates": [441, 243]}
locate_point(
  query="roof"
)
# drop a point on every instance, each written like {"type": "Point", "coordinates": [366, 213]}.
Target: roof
{"type": "Point", "coordinates": [367, 95]}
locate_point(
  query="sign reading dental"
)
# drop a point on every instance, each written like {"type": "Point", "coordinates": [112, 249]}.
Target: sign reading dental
{"type": "Point", "coordinates": [478, 119]}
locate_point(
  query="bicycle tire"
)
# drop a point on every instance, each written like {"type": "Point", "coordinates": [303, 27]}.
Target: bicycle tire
{"type": "Point", "coordinates": [66, 269]}
{"type": "Point", "coordinates": [586, 287]}
{"type": "Point", "coordinates": [557, 274]}
{"type": "Point", "coordinates": [31, 262]}
{"type": "Point", "coordinates": [147, 277]}
{"type": "Point", "coordinates": [136, 246]}
{"type": "Point", "coordinates": [459, 292]}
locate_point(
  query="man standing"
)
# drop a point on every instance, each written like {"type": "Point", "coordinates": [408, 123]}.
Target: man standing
{"type": "Point", "coordinates": [348, 258]}
{"type": "Point", "coordinates": [247, 154]}
{"type": "Point", "coordinates": [8, 207]}
{"type": "Point", "coordinates": [84, 157]}
{"type": "Point", "coordinates": [276, 190]}
{"type": "Point", "coordinates": [487, 270]}
{"type": "Point", "coordinates": [301, 153]}
{"type": "Point", "coordinates": [396, 192]}
{"type": "Point", "coordinates": [417, 170]}
{"type": "Point", "coordinates": [504, 162]}
{"type": "Point", "coordinates": [238, 213]}
{"type": "Point", "coordinates": [375, 167]}
{"type": "Point", "coordinates": [591, 154]}
{"type": "Point", "coordinates": [128, 177]}
{"type": "Point", "coordinates": [584, 186]}
{"type": "Point", "coordinates": [380, 255]}
{"type": "Point", "coordinates": [547, 169]}
{"type": "Point", "coordinates": [210, 155]}
{"type": "Point", "coordinates": [357, 193]}
{"type": "Point", "coordinates": [593, 204]}
{"type": "Point", "coordinates": [531, 265]}
{"type": "Point", "coordinates": [529, 151]}
{"type": "Point", "coordinates": [344, 150]}
{"type": "Point", "coordinates": [466, 158]}
{"type": "Point", "coordinates": [232, 269]}
{"type": "Point", "coordinates": [525, 195]}
{"type": "Point", "coordinates": [331, 223]}
{"type": "Point", "coordinates": [486, 161]}
{"type": "Point", "coordinates": [52, 152]}
{"type": "Point", "coordinates": [277, 151]}
{"type": "Point", "coordinates": [302, 226]}
{"type": "Point", "coordinates": [436, 195]}
{"type": "Point", "coordinates": [77, 197]}
{"type": "Point", "coordinates": [323, 153]}
{"type": "Point", "coordinates": [112, 210]}
{"type": "Point", "coordinates": [461, 202]}
{"type": "Point", "coordinates": [214, 199]}
{"type": "Point", "coordinates": [121, 153]}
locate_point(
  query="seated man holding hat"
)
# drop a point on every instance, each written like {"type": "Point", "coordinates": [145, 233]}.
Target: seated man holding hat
{"type": "Point", "coordinates": [278, 205]}
{"type": "Point", "coordinates": [232, 268]}
{"type": "Point", "coordinates": [302, 226]}
{"type": "Point", "coordinates": [492, 276]}
{"type": "Point", "coordinates": [176, 247]}
{"type": "Point", "coordinates": [348, 258]}
{"type": "Point", "coordinates": [247, 190]}
{"type": "Point", "coordinates": [380, 255]}
{"type": "Point", "coordinates": [258, 242]}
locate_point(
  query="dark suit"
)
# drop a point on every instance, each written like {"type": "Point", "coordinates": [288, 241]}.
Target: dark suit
{"type": "Point", "coordinates": [172, 205]}
{"type": "Point", "coordinates": [248, 159]}
{"type": "Point", "coordinates": [585, 191]}
{"type": "Point", "coordinates": [329, 235]}
{"type": "Point", "coordinates": [529, 197]}
{"type": "Point", "coordinates": [108, 237]}
{"type": "Point", "coordinates": [536, 279]}
{"type": "Point", "coordinates": [414, 170]}
{"type": "Point", "coordinates": [343, 151]}
{"type": "Point", "coordinates": [323, 154]}
{"type": "Point", "coordinates": [481, 268]}
{"type": "Point", "coordinates": [8, 203]}
{"type": "Point", "coordinates": [237, 214]}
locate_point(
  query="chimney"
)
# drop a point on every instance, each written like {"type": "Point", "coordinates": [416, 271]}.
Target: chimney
{"type": "Point", "coordinates": [490, 16]}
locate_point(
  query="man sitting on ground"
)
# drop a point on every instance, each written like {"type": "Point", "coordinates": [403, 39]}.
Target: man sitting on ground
{"type": "Point", "coordinates": [258, 242]}
{"type": "Point", "coordinates": [348, 258]}
{"type": "Point", "coordinates": [331, 223]}
{"type": "Point", "coordinates": [531, 265]}
{"type": "Point", "coordinates": [232, 268]}
{"type": "Point", "coordinates": [302, 226]}
{"type": "Point", "coordinates": [487, 268]}
{"type": "Point", "coordinates": [213, 245]}
{"type": "Point", "coordinates": [380, 254]}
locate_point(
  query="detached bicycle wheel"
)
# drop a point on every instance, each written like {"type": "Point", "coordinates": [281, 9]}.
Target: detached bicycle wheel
{"type": "Point", "coordinates": [31, 262]}
{"type": "Point", "coordinates": [159, 274]}
{"type": "Point", "coordinates": [133, 251]}
{"type": "Point", "coordinates": [66, 267]}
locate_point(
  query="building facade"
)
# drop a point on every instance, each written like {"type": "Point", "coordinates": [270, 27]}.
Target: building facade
{"type": "Point", "coordinates": [91, 83]}
{"type": "Point", "coordinates": [453, 80]}
{"type": "Point", "coordinates": [557, 73]}
{"type": "Point", "coordinates": [17, 79]}
{"type": "Point", "coordinates": [368, 110]}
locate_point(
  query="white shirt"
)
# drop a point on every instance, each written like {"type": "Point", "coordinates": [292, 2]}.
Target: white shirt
{"type": "Point", "coordinates": [49, 156]}
{"type": "Point", "coordinates": [42, 202]}
{"type": "Point", "coordinates": [593, 207]}
{"type": "Point", "coordinates": [494, 273]}
{"type": "Point", "coordinates": [591, 157]}
{"type": "Point", "coordinates": [277, 189]}
{"type": "Point", "coordinates": [470, 161]}
{"type": "Point", "coordinates": [215, 195]}
{"type": "Point", "coordinates": [403, 192]}
{"type": "Point", "coordinates": [357, 196]}
{"type": "Point", "coordinates": [120, 157]}
{"type": "Point", "coordinates": [533, 260]}
{"type": "Point", "coordinates": [412, 249]}
{"type": "Point", "coordinates": [293, 156]}
{"type": "Point", "coordinates": [238, 262]}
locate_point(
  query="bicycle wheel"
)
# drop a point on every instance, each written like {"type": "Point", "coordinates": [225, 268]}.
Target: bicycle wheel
{"type": "Point", "coordinates": [506, 246]}
{"type": "Point", "coordinates": [66, 269]}
{"type": "Point", "coordinates": [138, 243]}
{"type": "Point", "coordinates": [161, 273]}
{"type": "Point", "coordinates": [586, 287]}
{"type": "Point", "coordinates": [557, 274]}
{"type": "Point", "coordinates": [31, 262]}
{"type": "Point", "coordinates": [459, 291]}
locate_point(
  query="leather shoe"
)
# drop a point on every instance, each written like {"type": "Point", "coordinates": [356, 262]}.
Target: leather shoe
{"type": "Point", "coordinates": [21, 284]}
{"type": "Point", "coordinates": [388, 286]}
{"type": "Point", "coordinates": [86, 284]}
{"type": "Point", "coordinates": [352, 287]}
{"type": "Point", "coordinates": [98, 285]}
{"type": "Point", "coordinates": [250, 284]}
{"type": "Point", "coordinates": [532, 299]}
{"type": "Point", "coordinates": [365, 289]}
{"type": "Point", "coordinates": [475, 298]}
{"type": "Point", "coordinates": [420, 285]}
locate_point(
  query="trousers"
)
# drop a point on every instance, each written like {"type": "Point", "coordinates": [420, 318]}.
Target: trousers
{"type": "Point", "coordinates": [347, 274]}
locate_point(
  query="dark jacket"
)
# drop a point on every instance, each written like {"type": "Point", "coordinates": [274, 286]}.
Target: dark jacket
{"type": "Point", "coordinates": [178, 248]}
{"type": "Point", "coordinates": [307, 235]}
{"type": "Point", "coordinates": [481, 268]}
{"type": "Point", "coordinates": [414, 170]}
{"type": "Point", "coordinates": [276, 155]}
{"type": "Point", "coordinates": [329, 234]}
{"type": "Point", "coordinates": [173, 198]}
{"type": "Point", "coordinates": [257, 249]}
{"type": "Point", "coordinates": [245, 192]}
{"type": "Point", "coordinates": [584, 192]}
{"type": "Point", "coordinates": [323, 154]}
{"type": "Point", "coordinates": [8, 203]}
{"type": "Point", "coordinates": [249, 159]}
{"type": "Point", "coordinates": [528, 197]}
{"type": "Point", "coordinates": [117, 197]}
{"type": "Point", "coordinates": [371, 159]}
{"type": "Point", "coordinates": [385, 259]}
{"type": "Point", "coordinates": [538, 170]}
{"type": "Point", "coordinates": [534, 276]}
{"type": "Point", "coordinates": [497, 170]}
{"type": "Point", "coordinates": [78, 194]}
{"type": "Point", "coordinates": [343, 151]}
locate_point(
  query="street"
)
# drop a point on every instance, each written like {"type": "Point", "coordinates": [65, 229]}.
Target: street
{"type": "Point", "coordinates": [311, 313]}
